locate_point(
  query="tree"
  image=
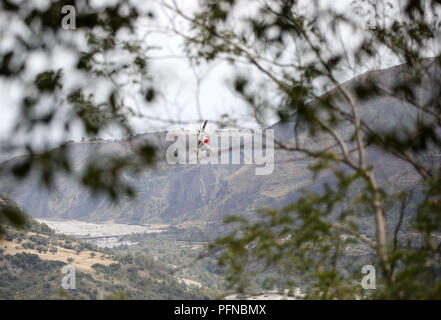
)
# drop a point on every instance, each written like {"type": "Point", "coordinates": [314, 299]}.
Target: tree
{"type": "Point", "coordinates": [295, 51]}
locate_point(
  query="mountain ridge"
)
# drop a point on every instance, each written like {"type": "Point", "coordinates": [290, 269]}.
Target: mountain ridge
{"type": "Point", "coordinates": [207, 193]}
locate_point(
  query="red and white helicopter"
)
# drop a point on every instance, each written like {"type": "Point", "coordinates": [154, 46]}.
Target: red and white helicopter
{"type": "Point", "coordinates": [203, 140]}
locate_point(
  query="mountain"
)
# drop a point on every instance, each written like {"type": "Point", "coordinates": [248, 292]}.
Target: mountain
{"type": "Point", "coordinates": [207, 193]}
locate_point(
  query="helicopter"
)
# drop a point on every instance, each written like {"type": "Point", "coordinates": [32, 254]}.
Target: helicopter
{"type": "Point", "coordinates": [203, 140]}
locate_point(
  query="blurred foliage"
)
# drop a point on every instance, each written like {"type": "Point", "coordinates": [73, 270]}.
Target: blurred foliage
{"type": "Point", "coordinates": [10, 214]}
{"type": "Point", "coordinates": [65, 97]}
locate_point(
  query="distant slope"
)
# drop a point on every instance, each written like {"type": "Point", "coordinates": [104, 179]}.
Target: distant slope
{"type": "Point", "coordinates": [207, 193]}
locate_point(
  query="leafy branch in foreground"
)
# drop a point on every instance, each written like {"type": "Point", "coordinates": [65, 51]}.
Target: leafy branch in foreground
{"type": "Point", "coordinates": [296, 51]}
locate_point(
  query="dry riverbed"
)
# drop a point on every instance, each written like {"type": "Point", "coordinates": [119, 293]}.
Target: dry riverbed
{"type": "Point", "coordinates": [86, 229]}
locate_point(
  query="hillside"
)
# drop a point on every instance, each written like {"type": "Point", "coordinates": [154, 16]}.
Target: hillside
{"type": "Point", "coordinates": [31, 263]}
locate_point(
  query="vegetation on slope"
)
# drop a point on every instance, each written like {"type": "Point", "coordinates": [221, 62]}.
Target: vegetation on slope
{"type": "Point", "coordinates": [31, 263]}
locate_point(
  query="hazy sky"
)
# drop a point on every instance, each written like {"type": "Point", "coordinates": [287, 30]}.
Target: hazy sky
{"type": "Point", "coordinates": [173, 75]}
